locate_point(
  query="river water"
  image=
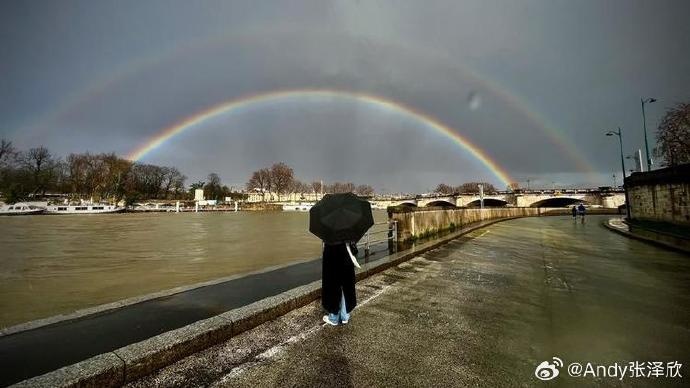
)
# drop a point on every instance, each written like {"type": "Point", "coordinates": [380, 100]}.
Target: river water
{"type": "Point", "coordinates": [53, 265]}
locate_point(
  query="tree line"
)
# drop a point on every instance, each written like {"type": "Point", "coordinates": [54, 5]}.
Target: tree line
{"type": "Point", "coordinates": [280, 179]}
{"type": "Point", "coordinates": [465, 188]}
{"type": "Point", "coordinates": [104, 177]}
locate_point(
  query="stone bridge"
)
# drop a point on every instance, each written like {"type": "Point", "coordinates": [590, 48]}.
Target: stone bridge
{"type": "Point", "coordinates": [597, 198]}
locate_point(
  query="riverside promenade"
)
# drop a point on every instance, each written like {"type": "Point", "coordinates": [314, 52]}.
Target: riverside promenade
{"type": "Point", "coordinates": [483, 310]}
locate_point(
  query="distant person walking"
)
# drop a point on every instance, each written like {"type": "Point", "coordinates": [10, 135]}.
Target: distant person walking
{"type": "Point", "coordinates": [338, 295]}
{"type": "Point", "coordinates": [574, 210]}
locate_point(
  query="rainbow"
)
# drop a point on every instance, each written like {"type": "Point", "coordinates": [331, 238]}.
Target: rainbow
{"type": "Point", "coordinates": [237, 104]}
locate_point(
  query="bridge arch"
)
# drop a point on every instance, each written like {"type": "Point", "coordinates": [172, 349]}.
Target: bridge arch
{"type": "Point", "coordinates": [440, 203]}
{"type": "Point", "coordinates": [559, 202]}
{"type": "Point", "coordinates": [407, 203]}
{"type": "Point", "coordinates": [488, 202]}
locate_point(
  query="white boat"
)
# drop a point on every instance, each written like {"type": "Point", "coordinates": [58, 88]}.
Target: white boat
{"type": "Point", "coordinates": [20, 209]}
{"type": "Point", "coordinates": [83, 209]}
{"type": "Point", "coordinates": [298, 207]}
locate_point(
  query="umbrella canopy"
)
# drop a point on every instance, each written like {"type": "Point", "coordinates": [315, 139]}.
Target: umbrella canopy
{"type": "Point", "coordinates": [340, 217]}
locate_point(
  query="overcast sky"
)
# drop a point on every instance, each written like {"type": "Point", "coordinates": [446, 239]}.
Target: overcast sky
{"type": "Point", "coordinates": [534, 84]}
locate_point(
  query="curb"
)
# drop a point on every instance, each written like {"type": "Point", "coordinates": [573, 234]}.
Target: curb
{"type": "Point", "coordinates": [137, 360]}
{"type": "Point", "coordinates": [649, 240]}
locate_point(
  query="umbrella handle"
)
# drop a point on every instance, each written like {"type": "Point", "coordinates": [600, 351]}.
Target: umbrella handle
{"type": "Point", "coordinates": [352, 257]}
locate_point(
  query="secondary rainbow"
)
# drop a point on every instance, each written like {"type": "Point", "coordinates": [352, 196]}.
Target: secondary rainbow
{"type": "Point", "coordinates": [234, 105]}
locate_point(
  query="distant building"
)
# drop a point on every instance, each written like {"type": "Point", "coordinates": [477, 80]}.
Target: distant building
{"type": "Point", "coordinates": [257, 195]}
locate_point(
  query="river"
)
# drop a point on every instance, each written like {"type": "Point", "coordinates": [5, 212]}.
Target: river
{"type": "Point", "coordinates": [53, 265]}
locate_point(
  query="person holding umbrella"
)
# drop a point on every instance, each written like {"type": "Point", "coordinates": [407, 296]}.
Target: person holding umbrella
{"type": "Point", "coordinates": [339, 220]}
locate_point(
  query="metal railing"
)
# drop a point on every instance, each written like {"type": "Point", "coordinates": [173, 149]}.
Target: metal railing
{"type": "Point", "coordinates": [391, 233]}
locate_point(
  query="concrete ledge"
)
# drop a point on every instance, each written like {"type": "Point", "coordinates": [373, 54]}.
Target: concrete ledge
{"type": "Point", "coordinates": [137, 360]}
{"type": "Point", "coordinates": [252, 315]}
{"type": "Point", "coordinates": [144, 357]}
{"type": "Point", "coordinates": [104, 370]}
{"type": "Point", "coordinates": [619, 226]}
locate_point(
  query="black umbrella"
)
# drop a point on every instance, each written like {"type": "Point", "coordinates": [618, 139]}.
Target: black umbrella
{"type": "Point", "coordinates": [340, 217]}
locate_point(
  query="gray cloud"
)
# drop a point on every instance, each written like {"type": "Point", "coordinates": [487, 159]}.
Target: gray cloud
{"type": "Point", "coordinates": [551, 77]}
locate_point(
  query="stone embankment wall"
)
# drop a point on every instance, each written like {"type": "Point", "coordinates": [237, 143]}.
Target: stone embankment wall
{"type": "Point", "coordinates": [421, 223]}
{"type": "Point", "coordinates": [660, 195]}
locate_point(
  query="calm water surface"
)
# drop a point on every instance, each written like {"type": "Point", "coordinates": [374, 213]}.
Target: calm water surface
{"type": "Point", "coordinates": [58, 264]}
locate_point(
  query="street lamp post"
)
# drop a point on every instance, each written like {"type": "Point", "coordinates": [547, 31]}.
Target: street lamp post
{"type": "Point", "coordinates": [619, 133]}
{"type": "Point", "coordinates": [644, 125]}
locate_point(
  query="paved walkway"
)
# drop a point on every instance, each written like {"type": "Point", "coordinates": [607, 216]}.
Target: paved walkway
{"type": "Point", "coordinates": [483, 310]}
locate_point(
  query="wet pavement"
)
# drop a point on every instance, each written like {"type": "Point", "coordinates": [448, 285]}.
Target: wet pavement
{"type": "Point", "coordinates": [482, 310]}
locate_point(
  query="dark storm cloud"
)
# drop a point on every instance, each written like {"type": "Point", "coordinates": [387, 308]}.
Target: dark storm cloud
{"type": "Point", "coordinates": [106, 76]}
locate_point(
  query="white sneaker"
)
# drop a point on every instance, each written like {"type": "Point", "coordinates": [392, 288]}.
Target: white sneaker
{"type": "Point", "coordinates": [345, 322]}
{"type": "Point", "coordinates": [328, 321]}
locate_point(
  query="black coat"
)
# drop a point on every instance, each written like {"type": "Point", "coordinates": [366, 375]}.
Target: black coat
{"type": "Point", "coordinates": [338, 274]}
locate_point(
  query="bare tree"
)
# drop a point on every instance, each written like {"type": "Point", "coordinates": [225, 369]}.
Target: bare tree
{"type": "Point", "coordinates": [473, 188]}
{"type": "Point", "coordinates": [260, 180]}
{"type": "Point", "coordinates": [98, 176]}
{"type": "Point", "coordinates": [7, 159]}
{"type": "Point", "coordinates": [342, 187]}
{"type": "Point", "coordinates": [673, 135]}
{"type": "Point", "coordinates": [300, 187]}
{"type": "Point", "coordinates": [444, 189]}
{"type": "Point", "coordinates": [213, 188]}
{"type": "Point", "coordinates": [281, 177]}
{"type": "Point", "coordinates": [173, 182]}
{"type": "Point", "coordinates": [317, 187]}
{"type": "Point", "coordinates": [178, 185]}
{"type": "Point", "coordinates": [145, 180]}
{"type": "Point", "coordinates": [77, 166]}
{"type": "Point", "coordinates": [364, 190]}
{"type": "Point", "coordinates": [7, 152]}
{"type": "Point", "coordinates": [39, 163]}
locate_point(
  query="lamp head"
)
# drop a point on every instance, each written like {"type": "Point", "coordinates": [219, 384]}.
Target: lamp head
{"type": "Point", "coordinates": [609, 133]}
